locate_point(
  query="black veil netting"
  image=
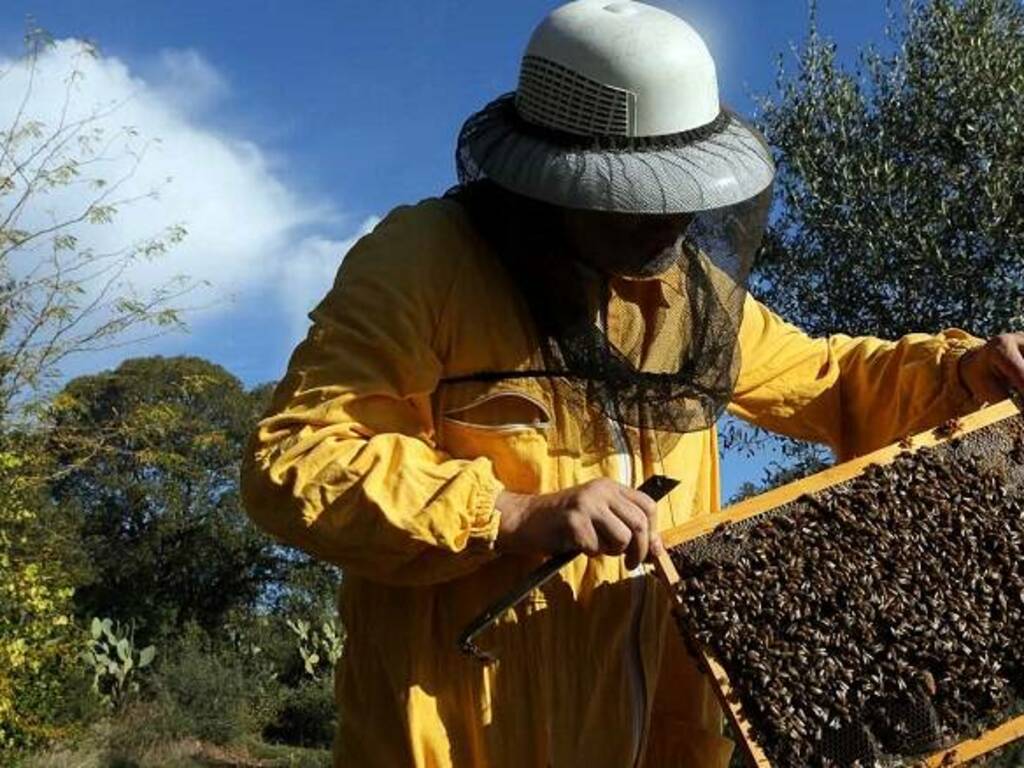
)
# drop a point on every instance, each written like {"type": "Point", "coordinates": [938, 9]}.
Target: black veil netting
{"type": "Point", "coordinates": [676, 376]}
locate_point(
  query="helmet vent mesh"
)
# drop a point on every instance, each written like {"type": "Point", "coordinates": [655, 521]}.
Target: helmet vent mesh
{"type": "Point", "coordinates": [555, 96]}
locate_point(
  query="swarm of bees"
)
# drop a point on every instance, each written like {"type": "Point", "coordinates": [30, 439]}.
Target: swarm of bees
{"type": "Point", "coordinates": [881, 618]}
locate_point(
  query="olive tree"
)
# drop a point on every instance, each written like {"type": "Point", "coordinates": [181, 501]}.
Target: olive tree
{"type": "Point", "coordinates": [900, 184]}
{"type": "Point", "coordinates": [900, 187]}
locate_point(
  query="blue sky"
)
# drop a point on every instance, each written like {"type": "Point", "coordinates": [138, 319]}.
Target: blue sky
{"type": "Point", "coordinates": [328, 114]}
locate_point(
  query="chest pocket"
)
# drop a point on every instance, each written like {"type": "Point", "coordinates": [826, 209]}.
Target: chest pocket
{"type": "Point", "coordinates": [506, 422]}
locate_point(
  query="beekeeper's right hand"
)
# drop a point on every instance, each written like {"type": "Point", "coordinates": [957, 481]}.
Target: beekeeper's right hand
{"type": "Point", "coordinates": [601, 517]}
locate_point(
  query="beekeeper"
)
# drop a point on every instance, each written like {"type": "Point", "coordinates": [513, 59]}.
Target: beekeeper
{"type": "Point", "coordinates": [496, 370]}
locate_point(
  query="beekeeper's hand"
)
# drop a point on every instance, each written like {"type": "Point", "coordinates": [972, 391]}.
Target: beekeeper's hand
{"type": "Point", "coordinates": [601, 517]}
{"type": "Point", "coordinates": [991, 371]}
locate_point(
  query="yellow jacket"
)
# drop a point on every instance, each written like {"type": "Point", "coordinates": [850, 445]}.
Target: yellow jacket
{"type": "Point", "coordinates": [363, 459]}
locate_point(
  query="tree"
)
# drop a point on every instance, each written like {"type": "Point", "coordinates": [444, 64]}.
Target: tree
{"type": "Point", "coordinates": [39, 568]}
{"type": "Point", "coordinates": [158, 494]}
{"type": "Point", "coordinates": [58, 295]}
{"type": "Point", "coordinates": [901, 184]}
{"type": "Point", "coordinates": [900, 187]}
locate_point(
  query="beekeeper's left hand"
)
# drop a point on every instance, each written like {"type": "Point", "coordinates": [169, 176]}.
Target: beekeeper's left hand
{"type": "Point", "coordinates": [992, 370]}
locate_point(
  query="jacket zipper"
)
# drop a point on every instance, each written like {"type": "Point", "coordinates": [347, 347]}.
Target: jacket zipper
{"type": "Point", "coordinates": [638, 592]}
{"type": "Point", "coordinates": [449, 415]}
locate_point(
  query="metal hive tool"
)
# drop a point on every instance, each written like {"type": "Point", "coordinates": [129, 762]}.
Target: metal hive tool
{"type": "Point", "coordinates": [901, 729]}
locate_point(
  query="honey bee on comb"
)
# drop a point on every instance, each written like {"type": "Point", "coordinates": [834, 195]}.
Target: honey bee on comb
{"type": "Point", "coordinates": [876, 620]}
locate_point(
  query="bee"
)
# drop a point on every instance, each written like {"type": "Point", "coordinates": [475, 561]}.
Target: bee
{"type": "Point", "coordinates": [948, 428]}
{"type": "Point", "coordinates": [928, 681]}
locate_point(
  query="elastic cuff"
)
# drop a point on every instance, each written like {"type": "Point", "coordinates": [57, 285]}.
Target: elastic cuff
{"type": "Point", "coordinates": [485, 517]}
{"type": "Point", "coordinates": [957, 344]}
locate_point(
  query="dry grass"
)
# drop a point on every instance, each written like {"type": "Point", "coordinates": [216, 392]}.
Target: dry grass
{"type": "Point", "coordinates": [93, 752]}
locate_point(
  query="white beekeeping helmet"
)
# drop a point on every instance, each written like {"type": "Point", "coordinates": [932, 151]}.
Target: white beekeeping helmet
{"type": "Point", "coordinates": [621, 68]}
{"type": "Point", "coordinates": [617, 109]}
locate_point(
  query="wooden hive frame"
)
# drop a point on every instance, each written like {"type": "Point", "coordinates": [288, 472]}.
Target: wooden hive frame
{"type": "Point", "coordinates": [958, 754]}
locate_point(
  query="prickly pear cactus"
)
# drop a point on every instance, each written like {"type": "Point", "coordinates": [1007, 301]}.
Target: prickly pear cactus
{"type": "Point", "coordinates": [114, 660]}
{"type": "Point", "coordinates": [320, 649]}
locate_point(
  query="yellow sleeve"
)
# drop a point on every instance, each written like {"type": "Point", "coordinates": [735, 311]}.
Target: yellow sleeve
{"type": "Point", "coordinates": [855, 394]}
{"type": "Point", "coordinates": [343, 464]}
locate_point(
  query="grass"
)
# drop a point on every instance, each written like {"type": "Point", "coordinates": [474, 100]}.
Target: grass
{"type": "Point", "coordinates": [249, 752]}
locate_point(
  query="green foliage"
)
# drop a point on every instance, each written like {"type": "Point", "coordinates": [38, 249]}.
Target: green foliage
{"type": "Point", "coordinates": [58, 297]}
{"type": "Point", "coordinates": [208, 691]}
{"type": "Point", "coordinates": [294, 689]}
{"type": "Point", "coordinates": [148, 457]}
{"type": "Point", "coordinates": [259, 645]}
{"type": "Point", "coordinates": [901, 191]}
{"type": "Point", "coordinates": [309, 589]}
{"type": "Point", "coordinates": [203, 691]}
{"type": "Point", "coordinates": [145, 458]}
{"type": "Point", "coordinates": [306, 714]}
{"type": "Point", "coordinates": [37, 635]}
{"type": "Point", "coordinates": [114, 661]}
{"type": "Point", "coordinates": [306, 717]}
{"type": "Point", "coordinates": [133, 750]}
{"type": "Point", "coordinates": [218, 690]}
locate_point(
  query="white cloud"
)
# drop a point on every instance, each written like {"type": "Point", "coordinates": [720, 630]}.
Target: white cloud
{"type": "Point", "coordinates": [245, 225]}
{"type": "Point", "coordinates": [189, 82]}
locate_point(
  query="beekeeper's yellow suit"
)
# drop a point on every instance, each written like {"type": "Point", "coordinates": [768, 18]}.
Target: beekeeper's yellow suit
{"type": "Point", "coordinates": [366, 460]}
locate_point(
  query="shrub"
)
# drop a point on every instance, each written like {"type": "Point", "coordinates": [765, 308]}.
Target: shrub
{"type": "Point", "coordinates": [306, 717]}
{"type": "Point", "coordinates": [205, 690]}
{"type": "Point", "coordinates": [38, 640]}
